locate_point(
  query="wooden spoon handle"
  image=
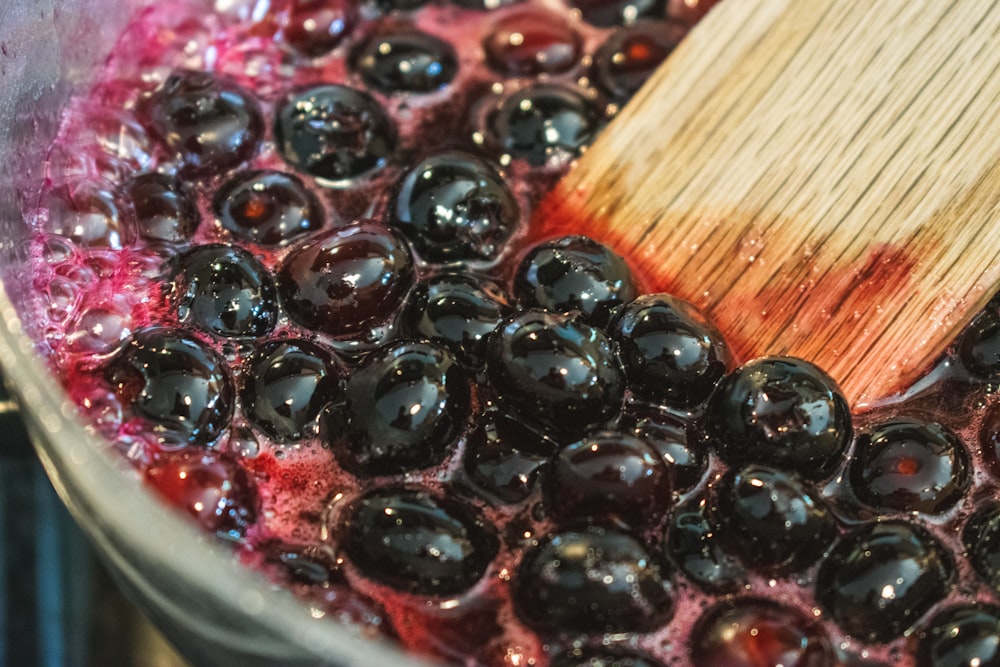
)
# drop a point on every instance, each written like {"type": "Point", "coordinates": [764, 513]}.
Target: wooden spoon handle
{"type": "Point", "coordinates": [821, 178]}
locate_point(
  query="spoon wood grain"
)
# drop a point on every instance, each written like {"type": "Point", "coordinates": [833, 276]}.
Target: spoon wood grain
{"type": "Point", "coordinates": [820, 177]}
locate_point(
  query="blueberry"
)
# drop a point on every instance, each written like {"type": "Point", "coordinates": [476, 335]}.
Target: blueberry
{"type": "Point", "coordinates": [771, 520]}
{"type": "Point", "coordinates": [603, 658]}
{"type": "Point", "coordinates": [176, 386]}
{"type": "Point", "coordinates": [211, 123]}
{"type": "Point", "coordinates": [671, 354]}
{"type": "Point", "coordinates": [164, 210]}
{"type": "Point", "coordinates": [267, 207]}
{"type": "Point", "coordinates": [346, 281]}
{"type": "Point", "coordinates": [881, 578]}
{"type": "Point", "coordinates": [749, 632]}
{"type": "Point", "coordinates": [591, 581]}
{"type": "Point", "coordinates": [416, 542]}
{"type": "Point", "coordinates": [981, 536]}
{"type": "Point", "coordinates": [961, 636]}
{"type": "Point", "coordinates": [484, 5]}
{"type": "Point", "coordinates": [610, 478]}
{"type": "Point", "coordinates": [909, 465]}
{"type": "Point", "coordinates": [223, 290]}
{"type": "Point", "coordinates": [387, 6]}
{"type": "Point", "coordinates": [554, 371]}
{"type": "Point", "coordinates": [286, 384]}
{"type": "Point", "coordinates": [782, 412]}
{"type": "Point", "coordinates": [544, 124]}
{"type": "Point", "coordinates": [629, 56]}
{"type": "Point", "coordinates": [668, 436]}
{"type": "Point", "coordinates": [403, 408]}
{"type": "Point", "coordinates": [316, 27]}
{"type": "Point", "coordinates": [607, 13]}
{"type": "Point", "coordinates": [530, 42]}
{"type": "Point", "coordinates": [334, 133]}
{"type": "Point", "coordinates": [574, 273]}
{"type": "Point", "coordinates": [458, 310]}
{"type": "Point", "coordinates": [207, 486]}
{"type": "Point", "coordinates": [695, 548]}
{"type": "Point", "coordinates": [504, 459]}
{"type": "Point", "coordinates": [404, 61]}
{"type": "Point", "coordinates": [301, 564]}
{"type": "Point", "coordinates": [454, 207]}
{"type": "Point", "coordinates": [989, 439]}
{"type": "Point", "coordinates": [979, 345]}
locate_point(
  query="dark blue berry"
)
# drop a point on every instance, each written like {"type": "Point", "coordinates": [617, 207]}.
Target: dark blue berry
{"type": "Point", "coordinates": [210, 123]}
{"type": "Point", "coordinates": [316, 27]}
{"type": "Point", "coordinates": [286, 384]}
{"type": "Point", "coordinates": [405, 61]}
{"type": "Point", "coordinates": [881, 578]}
{"type": "Point", "coordinates": [165, 211]}
{"type": "Point", "coordinates": [981, 536]}
{"type": "Point", "coordinates": [175, 385]}
{"type": "Point", "coordinates": [334, 133]}
{"type": "Point", "coordinates": [458, 310]}
{"type": "Point", "coordinates": [607, 13]}
{"type": "Point", "coordinates": [630, 55]}
{"type": "Point", "coordinates": [910, 466]}
{"type": "Point", "coordinates": [591, 581]}
{"type": "Point", "coordinates": [544, 124]}
{"type": "Point", "coordinates": [267, 207]}
{"type": "Point", "coordinates": [695, 547]}
{"type": "Point", "coordinates": [782, 412]}
{"type": "Point", "coordinates": [574, 273]}
{"type": "Point", "coordinates": [504, 459]}
{"type": "Point", "coordinates": [668, 436]}
{"type": "Point", "coordinates": [554, 371]}
{"type": "Point", "coordinates": [403, 408]}
{"type": "Point", "coordinates": [749, 632]}
{"type": "Point", "coordinates": [771, 520]}
{"type": "Point", "coordinates": [979, 345]}
{"type": "Point", "coordinates": [223, 290]}
{"type": "Point", "coordinates": [671, 354]}
{"type": "Point", "coordinates": [416, 542]}
{"type": "Point", "coordinates": [387, 6]}
{"type": "Point", "coordinates": [454, 207]}
{"type": "Point", "coordinates": [989, 439]}
{"type": "Point", "coordinates": [346, 281]}
{"type": "Point", "coordinates": [964, 636]}
{"type": "Point", "coordinates": [608, 478]}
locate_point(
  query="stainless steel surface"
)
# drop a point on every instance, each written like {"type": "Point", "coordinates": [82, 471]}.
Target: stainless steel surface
{"type": "Point", "coordinates": [215, 612]}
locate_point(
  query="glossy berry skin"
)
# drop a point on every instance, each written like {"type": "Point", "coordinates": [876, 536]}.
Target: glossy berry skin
{"type": "Point", "coordinates": [504, 459]}
{"type": "Point", "coordinates": [695, 547]}
{"type": "Point", "coordinates": [771, 520]}
{"type": "Point", "coordinates": [164, 211]}
{"type": "Point", "coordinates": [405, 61]}
{"type": "Point", "coordinates": [608, 478]}
{"type": "Point", "coordinates": [909, 465]}
{"type": "Point", "coordinates": [630, 56]}
{"type": "Point", "coordinates": [879, 579]}
{"type": "Point", "coordinates": [210, 123]}
{"type": "Point", "coordinates": [458, 310]}
{"type": "Point", "coordinates": [335, 133]}
{"type": "Point", "coordinates": [591, 581]}
{"type": "Point", "coordinates": [989, 439]}
{"type": "Point", "coordinates": [418, 543]}
{"type": "Point", "coordinates": [554, 371]}
{"type": "Point", "coordinates": [530, 41]}
{"type": "Point", "coordinates": [780, 411]}
{"type": "Point", "coordinates": [544, 123]}
{"type": "Point", "coordinates": [454, 207]}
{"type": "Point", "coordinates": [346, 281]}
{"type": "Point", "coordinates": [177, 387]}
{"type": "Point", "coordinates": [267, 207]}
{"type": "Point", "coordinates": [608, 13]}
{"type": "Point", "coordinates": [403, 408]}
{"type": "Point", "coordinates": [316, 27]}
{"type": "Point", "coordinates": [225, 291]}
{"type": "Point", "coordinates": [979, 346]}
{"type": "Point", "coordinates": [574, 273]}
{"type": "Point", "coordinates": [212, 489]}
{"type": "Point", "coordinates": [748, 632]}
{"type": "Point", "coordinates": [669, 438]}
{"type": "Point", "coordinates": [981, 537]}
{"type": "Point", "coordinates": [286, 384]}
{"type": "Point", "coordinates": [671, 354]}
{"type": "Point", "coordinates": [961, 636]}
{"type": "Point", "coordinates": [603, 658]}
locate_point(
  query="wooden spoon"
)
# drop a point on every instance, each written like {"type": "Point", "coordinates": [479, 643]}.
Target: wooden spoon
{"type": "Point", "coordinates": [820, 177]}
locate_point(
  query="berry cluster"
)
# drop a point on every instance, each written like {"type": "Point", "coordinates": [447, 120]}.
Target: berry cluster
{"type": "Point", "coordinates": [319, 324]}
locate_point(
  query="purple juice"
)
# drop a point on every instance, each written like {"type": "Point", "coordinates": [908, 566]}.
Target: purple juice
{"type": "Point", "coordinates": [283, 263]}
